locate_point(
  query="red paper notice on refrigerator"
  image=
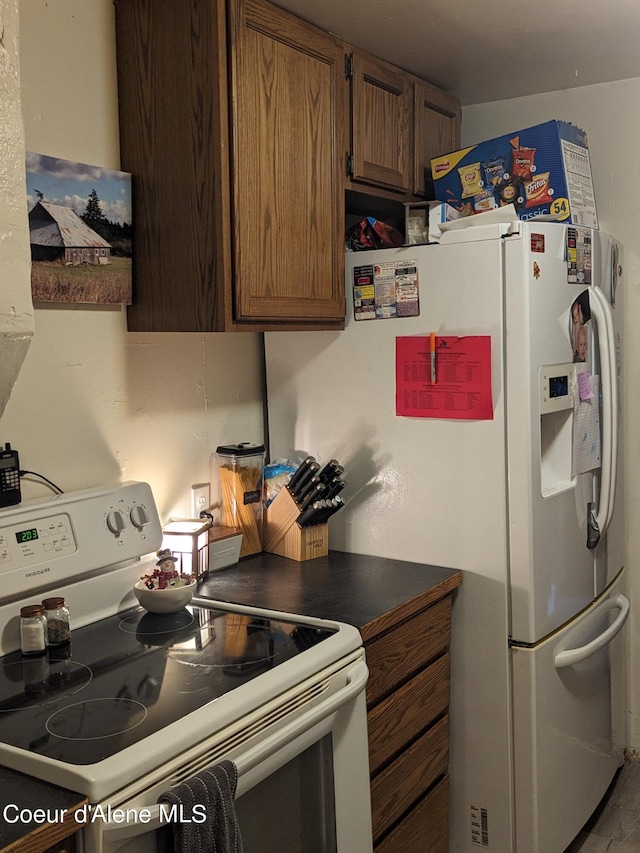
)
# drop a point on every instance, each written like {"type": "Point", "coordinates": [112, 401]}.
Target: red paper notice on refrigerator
{"type": "Point", "coordinates": [462, 387]}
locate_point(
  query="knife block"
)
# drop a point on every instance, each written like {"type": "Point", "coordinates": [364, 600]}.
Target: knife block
{"type": "Point", "coordinates": [283, 535]}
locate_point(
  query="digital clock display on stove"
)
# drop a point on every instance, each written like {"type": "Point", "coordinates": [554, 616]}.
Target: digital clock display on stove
{"type": "Point", "coordinates": [29, 535]}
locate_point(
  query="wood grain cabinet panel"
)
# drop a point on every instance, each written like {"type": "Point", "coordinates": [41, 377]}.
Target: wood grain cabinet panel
{"type": "Point", "coordinates": [381, 123]}
{"type": "Point", "coordinates": [437, 123]}
{"type": "Point", "coordinates": [174, 141]}
{"type": "Point", "coordinates": [425, 828]}
{"type": "Point", "coordinates": [399, 654]}
{"type": "Point", "coordinates": [399, 122]}
{"type": "Point", "coordinates": [47, 838]}
{"type": "Point", "coordinates": [288, 106]}
{"type": "Point", "coordinates": [408, 722]}
{"type": "Point", "coordinates": [396, 721]}
{"type": "Point", "coordinates": [396, 789]}
{"type": "Point", "coordinates": [231, 122]}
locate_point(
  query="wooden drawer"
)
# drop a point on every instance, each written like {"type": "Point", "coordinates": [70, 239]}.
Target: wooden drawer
{"type": "Point", "coordinates": [397, 655]}
{"type": "Point", "coordinates": [398, 719]}
{"type": "Point", "coordinates": [425, 829]}
{"type": "Point", "coordinates": [402, 783]}
{"type": "Point", "coordinates": [37, 842]}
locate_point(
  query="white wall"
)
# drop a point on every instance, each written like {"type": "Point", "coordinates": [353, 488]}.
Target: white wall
{"type": "Point", "coordinates": [607, 113]}
{"type": "Point", "coordinates": [93, 403]}
{"type": "Point", "coordinates": [16, 308]}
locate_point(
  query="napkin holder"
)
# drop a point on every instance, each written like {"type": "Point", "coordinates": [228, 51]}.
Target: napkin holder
{"type": "Point", "coordinates": [283, 535]}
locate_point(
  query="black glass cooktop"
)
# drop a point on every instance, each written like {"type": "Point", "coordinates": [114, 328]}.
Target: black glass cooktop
{"type": "Point", "coordinates": [128, 676]}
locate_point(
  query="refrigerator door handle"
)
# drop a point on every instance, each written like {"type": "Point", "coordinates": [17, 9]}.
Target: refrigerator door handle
{"type": "Point", "coordinates": [570, 657]}
{"type": "Point", "coordinates": [613, 390]}
{"type": "Point", "coordinates": [600, 515]}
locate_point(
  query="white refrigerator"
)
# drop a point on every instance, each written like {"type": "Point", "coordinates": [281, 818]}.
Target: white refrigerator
{"type": "Point", "coordinates": [524, 497]}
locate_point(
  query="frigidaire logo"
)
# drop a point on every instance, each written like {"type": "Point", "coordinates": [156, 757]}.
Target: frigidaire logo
{"type": "Point", "coordinates": [443, 167]}
{"type": "Point", "coordinates": [37, 572]}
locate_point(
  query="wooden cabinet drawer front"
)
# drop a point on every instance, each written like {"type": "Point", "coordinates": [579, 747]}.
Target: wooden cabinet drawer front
{"type": "Point", "coordinates": [425, 829]}
{"type": "Point", "coordinates": [397, 655]}
{"type": "Point", "coordinates": [396, 789]}
{"type": "Point", "coordinates": [397, 720]}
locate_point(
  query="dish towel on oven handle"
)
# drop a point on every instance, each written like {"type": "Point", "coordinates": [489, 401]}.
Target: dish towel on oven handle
{"type": "Point", "coordinates": [206, 820]}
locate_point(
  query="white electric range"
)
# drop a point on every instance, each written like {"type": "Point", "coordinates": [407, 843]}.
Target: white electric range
{"type": "Point", "coordinates": [138, 702]}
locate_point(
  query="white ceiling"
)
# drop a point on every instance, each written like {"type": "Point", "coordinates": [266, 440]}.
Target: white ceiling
{"type": "Point", "coordinates": [489, 50]}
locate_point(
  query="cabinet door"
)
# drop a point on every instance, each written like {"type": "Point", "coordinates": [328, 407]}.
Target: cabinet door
{"type": "Point", "coordinates": [288, 107]}
{"type": "Point", "coordinates": [173, 138]}
{"type": "Point", "coordinates": [437, 131]}
{"type": "Point", "coordinates": [381, 123]}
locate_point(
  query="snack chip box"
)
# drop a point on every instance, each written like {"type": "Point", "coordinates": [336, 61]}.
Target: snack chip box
{"type": "Point", "coordinates": [544, 171]}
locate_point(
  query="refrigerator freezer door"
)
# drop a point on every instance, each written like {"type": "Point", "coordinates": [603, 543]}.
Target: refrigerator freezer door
{"type": "Point", "coordinates": [557, 566]}
{"type": "Point", "coordinates": [552, 571]}
{"type": "Point", "coordinates": [565, 726]}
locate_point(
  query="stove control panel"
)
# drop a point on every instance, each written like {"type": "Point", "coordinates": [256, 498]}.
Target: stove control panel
{"type": "Point", "coordinates": [45, 542]}
{"type": "Point", "coordinates": [39, 541]}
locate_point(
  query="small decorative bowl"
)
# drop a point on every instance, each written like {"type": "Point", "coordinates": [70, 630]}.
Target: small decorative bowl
{"type": "Point", "coordinates": [168, 600]}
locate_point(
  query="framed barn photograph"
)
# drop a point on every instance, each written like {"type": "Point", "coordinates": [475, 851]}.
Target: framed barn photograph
{"type": "Point", "coordinates": [80, 228]}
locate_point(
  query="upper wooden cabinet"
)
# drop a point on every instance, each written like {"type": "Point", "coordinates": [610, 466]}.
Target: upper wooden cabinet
{"type": "Point", "coordinates": [381, 123]}
{"type": "Point", "coordinates": [231, 123]}
{"type": "Point", "coordinates": [438, 118]}
{"type": "Point", "coordinates": [288, 103]}
{"type": "Point", "coordinates": [235, 121]}
{"type": "Point", "coordinates": [398, 123]}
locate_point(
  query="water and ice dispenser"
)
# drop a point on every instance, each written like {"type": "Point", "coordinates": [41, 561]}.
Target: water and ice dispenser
{"type": "Point", "coordinates": [557, 384]}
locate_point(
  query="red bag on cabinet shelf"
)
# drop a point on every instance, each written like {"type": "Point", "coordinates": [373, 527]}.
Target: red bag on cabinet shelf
{"type": "Point", "coordinates": [371, 233]}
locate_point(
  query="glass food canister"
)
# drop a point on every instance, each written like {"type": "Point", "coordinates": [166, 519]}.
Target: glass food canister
{"type": "Point", "coordinates": [237, 471]}
{"type": "Point", "coordinates": [57, 616]}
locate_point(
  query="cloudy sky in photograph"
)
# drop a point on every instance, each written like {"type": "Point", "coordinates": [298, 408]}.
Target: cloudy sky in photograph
{"type": "Point", "coordinates": [67, 183]}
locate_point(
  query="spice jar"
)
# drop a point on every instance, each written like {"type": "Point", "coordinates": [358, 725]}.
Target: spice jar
{"type": "Point", "coordinates": [57, 617]}
{"type": "Point", "coordinates": [33, 629]}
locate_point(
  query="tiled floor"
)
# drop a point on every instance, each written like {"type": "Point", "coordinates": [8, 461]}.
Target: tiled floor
{"type": "Point", "coordinates": [615, 827]}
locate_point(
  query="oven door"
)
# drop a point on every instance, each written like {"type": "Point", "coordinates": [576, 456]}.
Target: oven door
{"type": "Point", "coordinates": [303, 775]}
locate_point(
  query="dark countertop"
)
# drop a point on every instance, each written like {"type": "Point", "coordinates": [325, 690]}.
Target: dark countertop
{"type": "Point", "coordinates": [354, 588]}
{"type": "Point", "coordinates": [24, 792]}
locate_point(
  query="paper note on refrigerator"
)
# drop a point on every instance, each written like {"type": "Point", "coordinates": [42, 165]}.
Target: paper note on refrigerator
{"type": "Point", "coordinates": [462, 387]}
{"type": "Point", "coordinates": [386, 290]}
{"type": "Point", "coordinates": [586, 426]}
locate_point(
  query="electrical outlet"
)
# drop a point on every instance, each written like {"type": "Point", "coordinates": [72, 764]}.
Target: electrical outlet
{"type": "Point", "coordinates": [200, 499]}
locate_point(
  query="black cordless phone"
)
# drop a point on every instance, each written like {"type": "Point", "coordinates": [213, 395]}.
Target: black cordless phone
{"type": "Point", "coordinates": [9, 477]}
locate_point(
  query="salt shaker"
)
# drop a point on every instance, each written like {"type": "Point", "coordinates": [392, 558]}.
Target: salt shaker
{"type": "Point", "coordinates": [33, 629]}
{"type": "Point", "coordinates": [57, 617]}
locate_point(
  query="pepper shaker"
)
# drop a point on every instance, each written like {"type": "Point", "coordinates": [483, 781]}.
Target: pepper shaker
{"type": "Point", "coordinates": [57, 617]}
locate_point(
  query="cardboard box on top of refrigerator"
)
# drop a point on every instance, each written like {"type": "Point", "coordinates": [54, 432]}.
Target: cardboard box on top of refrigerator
{"type": "Point", "coordinates": [544, 171]}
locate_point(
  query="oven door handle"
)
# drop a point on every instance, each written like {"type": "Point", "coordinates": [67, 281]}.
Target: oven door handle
{"type": "Point", "coordinates": [262, 751]}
